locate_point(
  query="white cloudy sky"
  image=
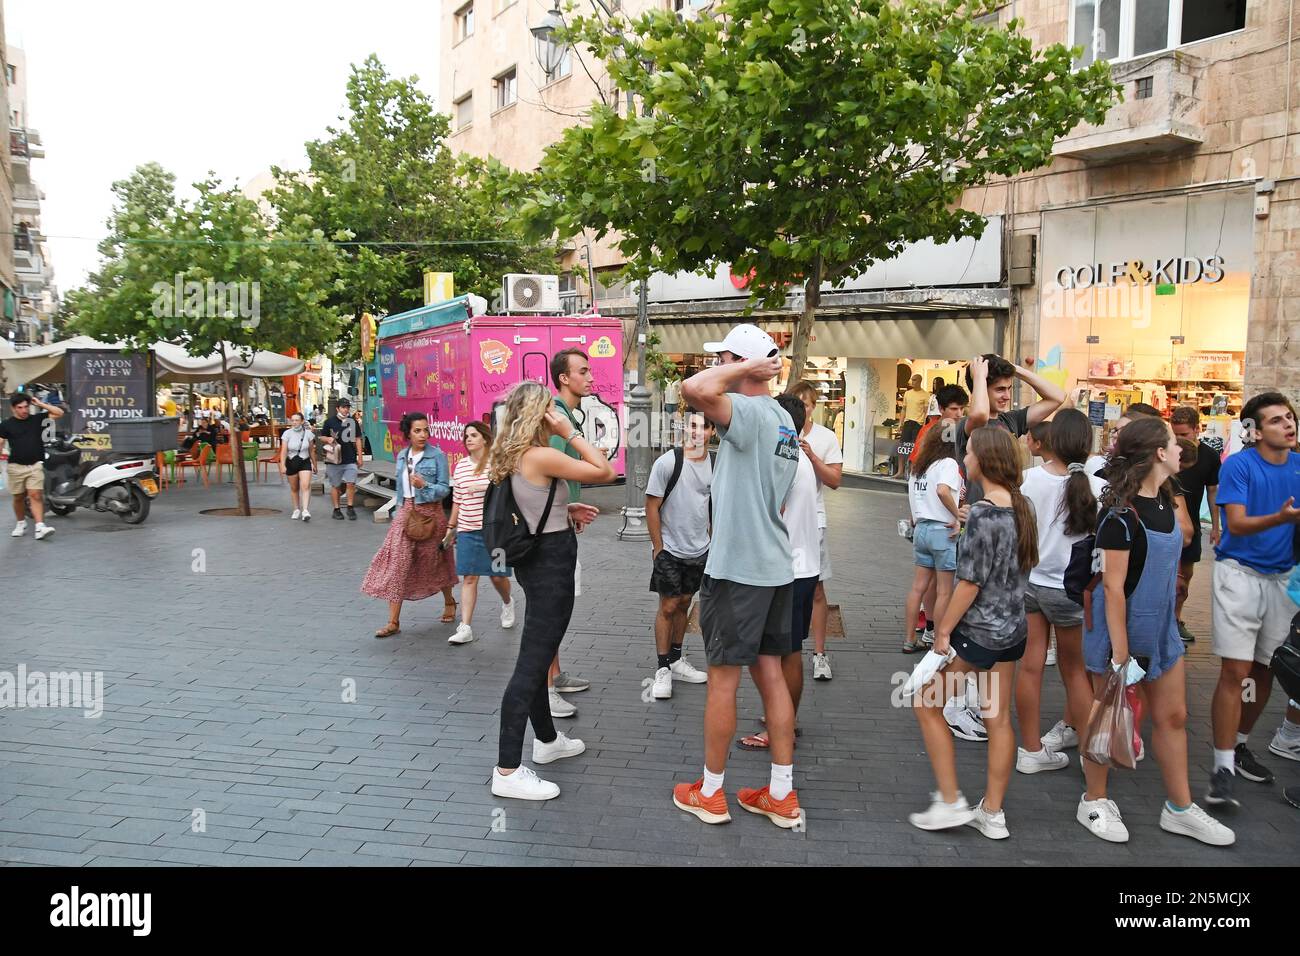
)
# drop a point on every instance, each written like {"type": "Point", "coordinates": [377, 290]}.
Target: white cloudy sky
{"type": "Point", "coordinates": [233, 86]}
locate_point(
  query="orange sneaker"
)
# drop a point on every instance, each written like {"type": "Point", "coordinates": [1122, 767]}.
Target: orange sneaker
{"type": "Point", "coordinates": [689, 797]}
{"type": "Point", "coordinates": [784, 813]}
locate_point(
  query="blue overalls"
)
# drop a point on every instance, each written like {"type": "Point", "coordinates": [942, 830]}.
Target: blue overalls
{"type": "Point", "coordinates": [1150, 617]}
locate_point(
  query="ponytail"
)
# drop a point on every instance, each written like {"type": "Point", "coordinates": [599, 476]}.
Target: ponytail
{"type": "Point", "coordinates": [1071, 437]}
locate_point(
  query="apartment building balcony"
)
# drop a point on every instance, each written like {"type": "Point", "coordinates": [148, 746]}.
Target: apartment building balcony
{"type": "Point", "coordinates": [24, 146]}
{"type": "Point", "coordinates": [27, 198]}
{"type": "Point", "coordinates": [1162, 112]}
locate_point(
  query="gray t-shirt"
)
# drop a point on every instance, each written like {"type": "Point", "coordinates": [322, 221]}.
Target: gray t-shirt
{"type": "Point", "coordinates": [684, 517]}
{"type": "Point", "coordinates": [986, 556]}
{"type": "Point", "coordinates": [757, 461]}
{"type": "Point", "coordinates": [1015, 421]}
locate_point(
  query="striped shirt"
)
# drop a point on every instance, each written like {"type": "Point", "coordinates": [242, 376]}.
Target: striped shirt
{"type": "Point", "coordinates": [468, 491]}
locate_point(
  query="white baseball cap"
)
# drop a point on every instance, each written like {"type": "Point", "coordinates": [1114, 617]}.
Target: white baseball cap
{"type": "Point", "coordinates": [747, 341]}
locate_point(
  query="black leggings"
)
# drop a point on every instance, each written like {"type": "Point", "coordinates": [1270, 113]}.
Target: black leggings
{"type": "Point", "coordinates": [547, 581]}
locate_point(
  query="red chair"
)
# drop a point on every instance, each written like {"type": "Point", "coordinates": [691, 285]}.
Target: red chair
{"type": "Point", "coordinates": [200, 464]}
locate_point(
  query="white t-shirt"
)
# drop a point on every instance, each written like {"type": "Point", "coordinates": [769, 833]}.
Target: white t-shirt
{"type": "Point", "coordinates": [801, 521]}
{"type": "Point", "coordinates": [1094, 464]}
{"type": "Point", "coordinates": [923, 491]}
{"type": "Point", "coordinates": [933, 410]}
{"type": "Point", "coordinates": [299, 442]}
{"type": "Point", "coordinates": [684, 518]}
{"type": "Point", "coordinates": [411, 461]}
{"type": "Point", "coordinates": [1046, 491]}
{"type": "Point", "coordinates": [826, 447]}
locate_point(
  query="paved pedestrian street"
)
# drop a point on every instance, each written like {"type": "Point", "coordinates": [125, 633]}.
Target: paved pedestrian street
{"type": "Point", "coordinates": [250, 718]}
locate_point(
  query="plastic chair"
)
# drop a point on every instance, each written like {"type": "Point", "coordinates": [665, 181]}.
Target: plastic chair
{"type": "Point", "coordinates": [264, 464]}
{"type": "Point", "coordinates": [225, 456]}
{"type": "Point", "coordinates": [199, 464]}
{"type": "Point", "coordinates": [159, 465]}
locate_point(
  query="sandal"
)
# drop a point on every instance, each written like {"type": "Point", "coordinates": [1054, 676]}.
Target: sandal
{"type": "Point", "coordinates": [798, 731]}
{"type": "Point", "coordinates": [753, 742]}
{"type": "Point", "coordinates": [912, 645]}
{"type": "Point", "coordinates": [393, 627]}
{"type": "Point", "coordinates": [448, 612]}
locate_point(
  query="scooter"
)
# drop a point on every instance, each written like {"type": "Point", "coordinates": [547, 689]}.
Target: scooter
{"type": "Point", "coordinates": [121, 484]}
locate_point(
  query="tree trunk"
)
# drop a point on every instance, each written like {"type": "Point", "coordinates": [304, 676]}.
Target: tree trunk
{"type": "Point", "coordinates": [236, 444]}
{"type": "Point", "coordinates": [811, 299]}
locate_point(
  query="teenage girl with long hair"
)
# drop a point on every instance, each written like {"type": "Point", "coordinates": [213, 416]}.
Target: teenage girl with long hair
{"type": "Point", "coordinates": [1140, 539]}
{"type": "Point", "coordinates": [934, 494]}
{"type": "Point", "coordinates": [521, 455]}
{"type": "Point", "coordinates": [1064, 497]}
{"type": "Point", "coordinates": [984, 624]}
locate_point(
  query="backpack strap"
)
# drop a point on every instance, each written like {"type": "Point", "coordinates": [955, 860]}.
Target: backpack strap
{"type": "Point", "coordinates": [546, 512]}
{"type": "Point", "coordinates": [1096, 578]}
{"type": "Point", "coordinates": [679, 457]}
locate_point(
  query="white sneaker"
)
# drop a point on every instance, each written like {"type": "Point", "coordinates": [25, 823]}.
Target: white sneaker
{"type": "Point", "coordinates": [1061, 737]}
{"type": "Point", "coordinates": [963, 722]}
{"type": "Point", "coordinates": [992, 825]}
{"type": "Point", "coordinates": [557, 749]}
{"type": "Point", "coordinates": [1197, 824]}
{"type": "Point", "coordinates": [297, 513]}
{"type": "Point", "coordinates": [306, 515]}
{"type": "Point", "coordinates": [1051, 653]}
{"type": "Point", "coordinates": [508, 615]}
{"type": "Point", "coordinates": [1290, 749]}
{"type": "Point", "coordinates": [1028, 761]}
{"type": "Point", "coordinates": [464, 634]}
{"type": "Point", "coordinates": [1102, 819]}
{"type": "Point", "coordinates": [684, 671]}
{"type": "Point", "coordinates": [523, 784]}
{"type": "Point", "coordinates": [821, 667]}
{"type": "Point", "coordinates": [942, 816]}
{"type": "Point", "coordinates": [559, 706]}
{"type": "Point", "coordinates": [43, 531]}
{"type": "Point", "coordinates": [20, 529]}
{"type": "Point", "coordinates": [1142, 752]}
{"type": "Point", "coordinates": [663, 686]}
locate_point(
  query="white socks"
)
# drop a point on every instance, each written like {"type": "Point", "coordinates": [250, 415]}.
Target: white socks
{"type": "Point", "coordinates": [1289, 731]}
{"type": "Point", "coordinates": [1242, 738]}
{"type": "Point", "coordinates": [712, 782]}
{"type": "Point", "coordinates": [782, 781]}
{"type": "Point", "coordinates": [1225, 759]}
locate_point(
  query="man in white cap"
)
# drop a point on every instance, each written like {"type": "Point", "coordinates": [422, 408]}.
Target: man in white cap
{"type": "Point", "coordinates": [746, 597]}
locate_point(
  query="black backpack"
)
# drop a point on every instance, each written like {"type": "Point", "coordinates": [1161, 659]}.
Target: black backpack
{"type": "Point", "coordinates": [505, 530]}
{"type": "Point", "coordinates": [1083, 572]}
{"type": "Point", "coordinates": [1286, 661]}
{"type": "Point", "coordinates": [679, 458]}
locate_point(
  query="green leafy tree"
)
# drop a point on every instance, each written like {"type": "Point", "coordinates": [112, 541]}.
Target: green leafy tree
{"type": "Point", "coordinates": [385, 183]}
{"type": "Point", "coordinates": [803, 140]}
{"type": "Point", "coordinates": [242, 285]}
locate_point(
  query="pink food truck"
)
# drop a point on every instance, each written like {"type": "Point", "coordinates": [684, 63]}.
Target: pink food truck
{"type": "Point", "coordinates": [457, 368]}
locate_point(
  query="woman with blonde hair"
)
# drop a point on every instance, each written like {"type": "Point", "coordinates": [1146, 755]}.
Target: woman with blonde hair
{"type": "Point", "coordinates": [469, 485]}
{"type": "Point", "coordinates": [521, 454]}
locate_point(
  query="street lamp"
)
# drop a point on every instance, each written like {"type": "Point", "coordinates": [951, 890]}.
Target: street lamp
{"type": "Point", "coordinates": [637, 462]}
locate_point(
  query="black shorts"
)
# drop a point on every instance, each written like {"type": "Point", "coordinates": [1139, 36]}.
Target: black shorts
{"type": "Point", "coordinates": [805, 589]}
{"type": "Point", "coordinates": [675, 577]}
{"type": "Point", "coordinates": [742, 621]}
{"type": "Point", "coordinates": [979, 656]}
{"type": "Point", "coordinates": [294, 465]}
{"type": "Point", "coordinates": [910, 430]}
{"type": "Point", "coordinates": [1192, 553]}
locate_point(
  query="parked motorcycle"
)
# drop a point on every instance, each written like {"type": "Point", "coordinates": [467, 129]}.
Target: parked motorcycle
{"type": "Point", "coordinates": [120, 484]}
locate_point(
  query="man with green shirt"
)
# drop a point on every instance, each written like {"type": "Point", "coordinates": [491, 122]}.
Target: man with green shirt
{"type": "Point", "coordinates": [572, 378]}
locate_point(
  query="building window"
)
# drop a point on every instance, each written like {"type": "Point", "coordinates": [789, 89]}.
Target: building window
{"type": "Point", "coordinates": [505, 89]}
{"type": "Point", "coordinates": [499, 5]}
{"type": "Point", "coordinates": [1122, 29]}
{"type": "Point", "coordinates": [464, 28]}
{"type": "Point", "coordinates": [464, 111]}
{"type": "Point", "coordinates": [1142, 88]}
{"type": "Point", "coordinates": [11, 72]}
{"type": "Point", "coordinates": [681, 6]}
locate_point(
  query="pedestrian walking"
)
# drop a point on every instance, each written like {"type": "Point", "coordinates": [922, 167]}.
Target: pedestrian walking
{"type": "Point", "coordinates": [984, 625]}
{"type": "Point", "coordinates": [343, 449]}
{"type": "Point", "coordinates": [412, 564]}
{"type": "Point", "coordinates": [521, 454]}
{"type": "Point", "coordinates": [298, 462]}
{"type": "Point", "coordinates": [25, 434]}
{"type": "Point", "coordinates": [746, 597]}
{"type": "Point", "coordinates": [469, 485]}
{"type": "Point", "coordinates": [1133, 628]}
{"type": "Point", "coordinates": [677, 505]}
{"type": "Point", "coordinates": [1065, 499]}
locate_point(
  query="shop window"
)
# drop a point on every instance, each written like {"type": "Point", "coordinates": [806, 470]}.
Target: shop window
{"type": "Point", "coordinates": [464, 25]}
{"type": "Point", "coordinates": [1121, 29]}
{"type": "Point", "coordinates": [464, 111]}
{"type": "Point", "coordinates": [505, 89]}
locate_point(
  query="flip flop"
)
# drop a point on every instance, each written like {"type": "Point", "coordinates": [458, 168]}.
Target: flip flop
{"type": "Point", "coordinates": [753, 742]}
{"type": "Point", "coordinates": [798, 731]}
{"type": "Point", "coordinates": [913, 645]}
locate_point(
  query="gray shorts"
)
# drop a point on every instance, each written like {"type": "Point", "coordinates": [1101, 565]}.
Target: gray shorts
{"type": "Point", "coordinates": [741, 621]}
{"type": "Point", "coordinates": [341, 474]}
{"type": "Point", "coordinates": [1054, 605]}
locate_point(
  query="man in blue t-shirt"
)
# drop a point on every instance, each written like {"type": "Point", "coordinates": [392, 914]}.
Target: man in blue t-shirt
{"type": "Point", "coordinates": [1259, 488]}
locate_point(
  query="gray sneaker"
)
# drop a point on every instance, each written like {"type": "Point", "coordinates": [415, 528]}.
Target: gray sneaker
{"type": "Point", "coordinates": [567, 683]}
{"type": "Point", "coordinates": [1222, 785]}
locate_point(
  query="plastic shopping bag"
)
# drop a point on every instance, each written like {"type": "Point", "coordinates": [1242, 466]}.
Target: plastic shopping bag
{"type": "Point", "coordinates": [924, 672]}
{"type": "Point", "coordinates": [1112, 726]}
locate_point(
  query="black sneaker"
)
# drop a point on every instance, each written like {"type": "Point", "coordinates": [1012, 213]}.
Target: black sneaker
{"type": "Point", "coordinates": [352, 513]}
{"type": "Point", "coordinates": [1221, 786]}
{"type": "Point", "coordinates": [1187, 636]}
{"type": "Point", "coordinates": [1250, 768]}
{"type": "Point", "coordinates": [1292, 796]}
{"type": "Point", "coordinates": [338, 514]}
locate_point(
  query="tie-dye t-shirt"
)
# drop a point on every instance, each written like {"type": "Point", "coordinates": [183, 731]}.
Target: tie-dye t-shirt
{"type": "Point", "coordinates": [986, 556]}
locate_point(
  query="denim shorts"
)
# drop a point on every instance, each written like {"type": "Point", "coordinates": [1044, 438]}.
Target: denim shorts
{"type": "Point", "coordinates": [933, 547]}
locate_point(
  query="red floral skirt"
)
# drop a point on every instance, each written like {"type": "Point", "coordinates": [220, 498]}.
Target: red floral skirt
{"type": "Point", "coordinates": [406, 570]}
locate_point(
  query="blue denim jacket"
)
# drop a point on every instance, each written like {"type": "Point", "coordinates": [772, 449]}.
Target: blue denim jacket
{"type": "Point", "coordinates": [432, 468]}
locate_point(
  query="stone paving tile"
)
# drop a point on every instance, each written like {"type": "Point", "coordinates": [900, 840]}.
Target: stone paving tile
{"type": "Point", "coordinates": [242, 714]}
